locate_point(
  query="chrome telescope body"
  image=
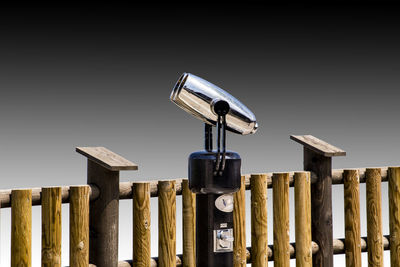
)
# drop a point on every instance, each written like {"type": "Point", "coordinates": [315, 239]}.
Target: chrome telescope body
{"type": "Point", "coordinates": [198, 96]}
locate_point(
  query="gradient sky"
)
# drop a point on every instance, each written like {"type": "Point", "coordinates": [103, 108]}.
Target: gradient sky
{"type": "Point", "coordinates": [102, 77]}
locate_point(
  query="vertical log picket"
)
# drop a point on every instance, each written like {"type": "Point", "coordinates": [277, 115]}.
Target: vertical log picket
{"type": "Point", "coordinates": [239, 226]}
{"type": "Point", "coordinates": [166, 224]}
{"type": "Point", "coordinates": [374, 217]}
{"type": "Point", "coordinates": [318, 159]}
{"type": "Point", "coordinates": [103, 168]}
{"type": "Point", "coordinates": [302, 192]}
{"type": "Point", "coordinates": [280, 185]}
{"type": "Point", "coordinates": [21, 228]}
{"type": "Point", "coordinates": [79, 226]}
{"type": "Point", "coordinates": [141, 224]}
{"type": "Point", "coordinates": [259, 226]}
{"type": "Point", "coordinates": [189, 225]}
{"type": "Point", "coordinates": [352, 218]}
{"type": "Point", "coordinates": [394, 215]}
{"type": "Point", "coordinates": [51, 227]}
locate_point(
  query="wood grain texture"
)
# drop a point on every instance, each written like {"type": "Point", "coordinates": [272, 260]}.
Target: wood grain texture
{"type": "Point", "coordinates": [302, 190]}
{"type": "Point", "coordinates": [141, 224]}
{"type": "Point", "coordinates": [5, 196]}
{"type": "Point", "coordinates": [394, 215]}
{"type": "Point", "coordinates": [321, 206]}
{"type": "Point", "coordinates": [189, 225]}
{"type": "Point", "coordinates": [166, 224]}
{"type": "Point", "coordinates": [106, 158]}
{"type": "Point", "coordinates": [21, 228]}
{"type": "Point", "coordinates": [79, 226]}
{"type": "Point", "coordinates": [374, 217]}
{"type": "Point", "coordinates": [125, 188]}
{"type": "Point", "coordinates": [259, 226]}
{"type": "Point", "coordinates": [338, 247]}
{"type": "Point", "coordinates": [336, 177]}
{"type": "Point", "coordinates": [104, 216]}
{"type": "Point", "coordinates": [239, 226]}
{"type": "Point", "coordinates": [280, 185]}
{"type": "Point", "coordinates": [317, 145]}
{"type": "Point", "coordinates": [352, 218]}
{"type": "Point", "coordinates": [51, 227]}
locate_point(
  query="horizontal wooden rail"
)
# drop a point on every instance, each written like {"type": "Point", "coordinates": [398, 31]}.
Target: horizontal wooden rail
{"type": "Point", "coordinates": [338, 248]}
{"type": "Point", "coordinates": [125, 188]}
{"type": "Point", "coordinates": [5, 195]}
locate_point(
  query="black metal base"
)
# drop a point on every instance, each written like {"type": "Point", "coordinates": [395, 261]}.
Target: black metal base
{"type": "Point", "coordinates": [201, 173]}
{"type": "Point", "coordinates": [208, 219]}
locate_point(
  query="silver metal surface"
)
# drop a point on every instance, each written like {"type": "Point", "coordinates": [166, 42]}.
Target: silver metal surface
{"type": "Point", "coordinates": [223, 240]}
{"type": "Point", "coordinates": [224, 203]}
{"type": "Point", "coordinates": [197, 96]}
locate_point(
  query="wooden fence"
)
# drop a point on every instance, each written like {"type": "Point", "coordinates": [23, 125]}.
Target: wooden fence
{"type": "Point", "coordinates": [94, 215]}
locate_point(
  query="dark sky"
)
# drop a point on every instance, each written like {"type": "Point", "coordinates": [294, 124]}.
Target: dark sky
{"type": "Point", "coordinates": [79, 77]}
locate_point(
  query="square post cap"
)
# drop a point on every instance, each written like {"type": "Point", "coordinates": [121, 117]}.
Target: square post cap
{"type": "Point", "coordinates": [106, 158]}
{"type": "Point", "coordinates": [318, 146]}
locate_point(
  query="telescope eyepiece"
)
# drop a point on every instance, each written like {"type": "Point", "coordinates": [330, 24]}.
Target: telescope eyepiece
{"type": "Point", "coordinates": [220, 107]}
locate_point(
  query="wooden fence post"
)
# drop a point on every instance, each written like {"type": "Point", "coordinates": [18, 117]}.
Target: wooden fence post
{"type": "Point", "coordinates": [51, 227]}
{"type": "Point", "coordinates": [351, 182]}
{"type": "Point", "coordinates": [21, 228]}
{"type": "Point", "coordinates": [374, 217]}
{"type": "Point", "coordinates": [79, 226]}
{"type": "Point", "coordinates": [280, 193]}
{"type": "Point", "coordinates": [103, 171]}
{"type": "Point", "coordinates": [302, 191]}
{"type": "Point", "coordinates": [318, 159]}
{"type": "Point", "coordinates": [166, 224]}
{"type": "Point", "coordinates": [189, 225]}
{"type": "Point", "coordinates": [394, 214]}
{"type": "Point", "coordinates": [239, 226]}
{"type": "Point", "coordinates": [259, 226]}
{"type": "Point", "coordinates": [141, 224]}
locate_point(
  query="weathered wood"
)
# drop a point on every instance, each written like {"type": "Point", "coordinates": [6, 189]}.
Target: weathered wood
{"type": "Point", "coordinates": [104, 213]}
{"type": "Point", "coordinates": [153, 262]}
{"type": "Point", "coordinates": [336, 174]}
{"type": "Point", "coordinates": [280, 191]}
{"type": "Point", "coordinates": [338, 248]}
{"type": "Point", "coordinates": [141, 224]}
{"type": "Point", "coordinates": [125, 188]}
{"type": "Point", "coordinates": [352, 218]}
{"type": "Point", "coordinates": [79, 226]}
{"type": "Point", "coordinates": [321, 206]}
{"type": "Point", "coordinates": [394, 215]}
{"type": "Point", "coordinates": [51, 227]}
{"type": "Point", "coordinates": [259, 227]}
{"type": "Point", "coordinates": [166, 224]}
{"type": "Point", "coordinates": [339, 245]}
{"type": "Point", "coordinates": [5, 195]}
{"type": "Point", "coordinates": [21, 228]}
{"type": "Point", "coordinates": [374, 218]}
{"type": "Point", "coordinates": [189, 225]}
{"type": "Point", "coordinates": [302, 190]}
{"type": "Point", "coordinates": [318, 146]}
{"type": "Point", "coordinates": [107, 158]}
{"type": "Point", "coordinates": [239, 226]}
